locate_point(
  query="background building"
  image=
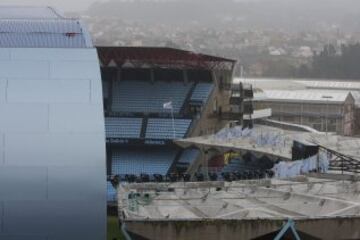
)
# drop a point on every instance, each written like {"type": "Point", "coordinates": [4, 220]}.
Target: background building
{"type": "Point", "coordinates": [328, 106]}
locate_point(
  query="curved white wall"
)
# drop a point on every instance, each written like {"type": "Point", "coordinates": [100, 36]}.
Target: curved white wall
{"type": "Point", "coordinates": [52, 148]}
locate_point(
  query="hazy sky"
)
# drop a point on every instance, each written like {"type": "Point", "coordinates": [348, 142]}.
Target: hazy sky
{"type": "Point", "coordinates": [64, 5]}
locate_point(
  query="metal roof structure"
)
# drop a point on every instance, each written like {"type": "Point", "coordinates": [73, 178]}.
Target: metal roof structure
{"type": "Point", "coordinates": [313, 96]}
{"type": "Point", "coordinates": [161, 57]}
{"type": "Point", "coordinates": [278, 142]}
{"type": "Point", "coordinates": [299, 84]}
{"type": "Point", "coordinates": [36, 27]}
{"type": "Point", "coordinates": [269, 83]}
{"type": "Point", "coordinates": [333, 85]}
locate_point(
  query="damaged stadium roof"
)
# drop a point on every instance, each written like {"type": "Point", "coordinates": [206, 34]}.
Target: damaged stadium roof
{"type": "Point", "coordinates": [272, 141]}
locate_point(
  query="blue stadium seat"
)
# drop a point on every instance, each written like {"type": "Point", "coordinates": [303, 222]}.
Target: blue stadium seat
{"type": "Point", "coordinates": [111, 193]}
{"type": "Point", "coordinates": [188, 156]}
{"type": "Point", "coordinates": [123, 127]}
{"type": "Point", "coordinates": [150, 161]}
{"type": "Point", "coordinates": [146, 97]}
{"type": "Point", "coordinates": [162, 128]}
{"type": "Point", "coordinates": [201, 92]}
{"type": "Point", "coordinates": [238, 165]}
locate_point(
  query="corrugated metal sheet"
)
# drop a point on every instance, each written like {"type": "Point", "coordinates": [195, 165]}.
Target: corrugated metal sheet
{"type": "Point", "coordinates": [43, 26]}
{"type": "Point", "coordinates": [306, 96]}
{"type": "Point", "coordinates": [332, 85]}
{"type": "Point", "coordinates": [43, 40]}
{"type": "Point", "coordinates": [18, 12]}
{"type": "Point", "coordinates": [27, 27]}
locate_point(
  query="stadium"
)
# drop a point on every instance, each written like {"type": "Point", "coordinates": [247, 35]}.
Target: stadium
{"type": "Point", "coordinates": [151, 97]}
{"type": "Point", "coordinates": [161, 138]}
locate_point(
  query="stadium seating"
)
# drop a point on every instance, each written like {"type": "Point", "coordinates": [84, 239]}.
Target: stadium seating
{"type": "Point", "coordinates": [123, 127]}
{"type": "Point", "coordinates": [201, 92]}
{"type": "Point", "coordinates": [161, 128]}
{"type": "Point", "coordinates": [188, 156]}
{"type": "Point", "coordinates": [111, 193]}
{"type": "Point", "coordinates": [146, 97]}
{"type": "Point", "coordinates": [151, 161]}
{"type": "Point", "coordinates": [238, 165]}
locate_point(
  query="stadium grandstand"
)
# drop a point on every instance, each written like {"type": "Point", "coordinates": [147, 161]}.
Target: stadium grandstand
{"type": "Point", "coordinates": [153, 96]}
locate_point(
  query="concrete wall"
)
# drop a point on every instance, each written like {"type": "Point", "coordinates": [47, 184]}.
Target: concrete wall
{"type": "Point", "coordinates": [209, 121]}
{"type": "Point", "coordinates": [330, 229]}
{"type": "Point", "coordinates": [52, 148]}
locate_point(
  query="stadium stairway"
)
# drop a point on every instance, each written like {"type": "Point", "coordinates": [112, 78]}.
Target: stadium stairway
{"type": "Point", "coordinates": [188, 97]}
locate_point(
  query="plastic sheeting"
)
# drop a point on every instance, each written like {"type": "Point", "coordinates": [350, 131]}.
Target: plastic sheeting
{"type": "Point", "coordinates": [273, 139]}
{"type": "Point", "coordinates": [296, 168]}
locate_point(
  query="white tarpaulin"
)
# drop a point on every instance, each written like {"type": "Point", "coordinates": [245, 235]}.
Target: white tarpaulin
{"type": "Point", "coordinates": [296, 168]}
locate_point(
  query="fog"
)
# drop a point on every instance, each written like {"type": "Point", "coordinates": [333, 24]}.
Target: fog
{"type": "Point", "coordinates": [63, 5]}
{"type": "Point", "coordinates": [280, 14]}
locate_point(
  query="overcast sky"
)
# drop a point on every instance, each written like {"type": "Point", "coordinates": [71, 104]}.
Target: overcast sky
{"type": "Point", "coordinates": [64, 5]}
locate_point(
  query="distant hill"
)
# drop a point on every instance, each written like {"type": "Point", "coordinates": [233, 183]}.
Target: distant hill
{"type": "Point", "coordinates": [287, 14]}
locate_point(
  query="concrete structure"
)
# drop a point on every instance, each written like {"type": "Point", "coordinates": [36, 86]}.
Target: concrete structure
{"type": "Point", "coordinates": [321, 208]}
{"type": "Point", "coordinates": [52, 143]}
{"type": "Point", "coordinates": [328, 106]}
{"type": "Point", "coordinates": [324, 111]}
{"type": "Point", "coordinates": [274, 142]}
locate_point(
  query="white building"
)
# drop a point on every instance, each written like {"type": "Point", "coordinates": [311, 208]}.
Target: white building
{"type": "Point", "coordinates": [52, 148]}
{"type": "Point", "coordinates": [328, 106]}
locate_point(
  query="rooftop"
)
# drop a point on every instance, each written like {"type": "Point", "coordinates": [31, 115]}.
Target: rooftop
{"type": "Point", "coordinates": [314, 96]}
{"type": "Point", "coordinates": [40, 27]}
{"type": "Point", "coordinates": [300, 84]}
{"type": "Point", "coordinates": [298, 198]}
{"type": "Point", "coordinates": [268, 84]}
{"type": "Point", "coordinates": [339, 85]}
{"type": "Point", "coordinates": [272, 141]}
{"type": "Point", "coordinates": [162, 57]}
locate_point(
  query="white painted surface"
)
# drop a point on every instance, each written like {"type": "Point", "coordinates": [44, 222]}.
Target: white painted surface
{"type": "Point", "coordinates": [23, 118]}
{"type": "Point", "coordinates": [44, 91]}
{"type": "Point", "coordinates": [2, 90]}
{"type": "Point", "coordinates": [76, 121]}
{"type": "Point", "coordinates": [24, 70]}
{"type": "Point", "coordinates": [74, 69]}
{"type": "Point", "coordinates": [52, 145]}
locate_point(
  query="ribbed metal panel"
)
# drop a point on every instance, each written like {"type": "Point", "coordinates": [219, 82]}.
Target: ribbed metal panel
{"type": "Point", "coordinates": [34, 27]}
{"type": "Point", "coordinates": [40, 26]}
{"type": "Point", "coordinates": [41, 40]}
